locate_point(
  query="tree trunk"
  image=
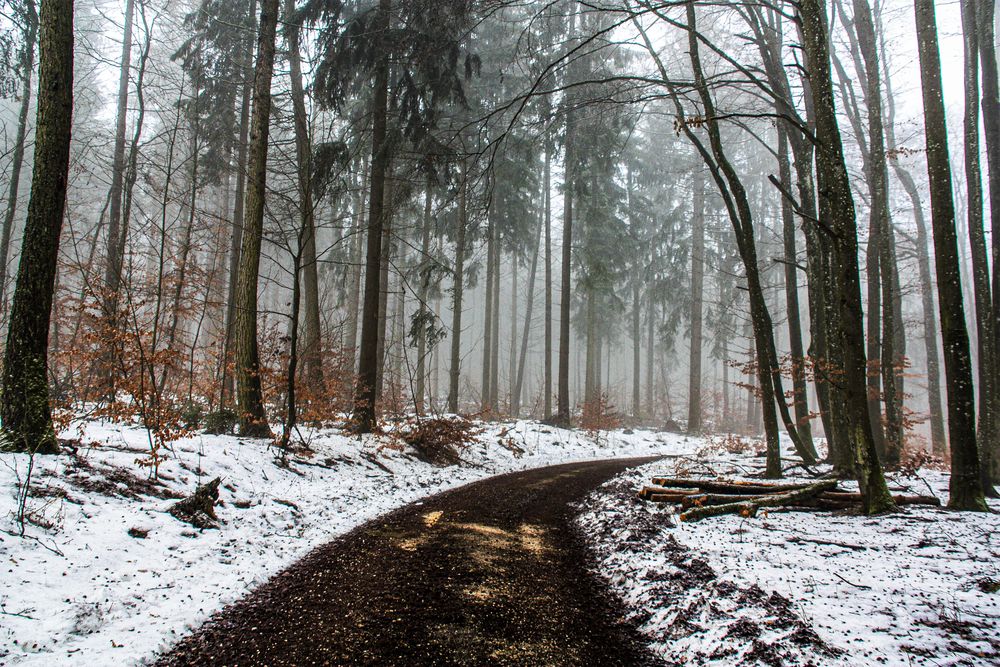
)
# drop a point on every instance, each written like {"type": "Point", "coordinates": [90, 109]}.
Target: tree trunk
{"type": "Point", "coordinates": [792, 295]}
{"type": "Point", "coordinates": [525, 334]}
{"type": "Point", "coordinates": [512, 360]}
{"type": "Point", "coordinates": [547, 362]}
{"type": "Point", "coordinates": [892, 335]}
{"type": "Point", "coordinates": [368, 366]}
{"type": "Point", "coordinates": [487, 403]}
{"type": "Point", "coordinates": [249, 396]}
{"type": "Point", "coordinates": [562, 416]}
{"type": "Point", "coordinates": [236, 242]}
{"type": "Point", "coordinates": [113, 260]}
{"type": "Point", "coordinates": [977, 243]}
{"type": "Point", "coordinates": [837, 205]}
{"type": "Point", "coordinates": [966, 490]}
{"type": "Point", "coordinates": [461, 222]}
{"type": "Point", "coordinates": [354, 293]}
{"type": "Point", "coordinates": [636, 349]}
{"type": "Point", "coordinates": [939, 442]}
{"type": "Point", "coordinates": [24, 400]}
{"type": "Point", "coordinates": [985, 28]}
{"type": "Point", "coordinates": [185, 247]}
{"type": "Point", "coordinates": [735, 197]}
{"type": "Point", "coordinates": [27, 63]}
{"type": "Point", "coordinates": [495, 335]}
{"type": "Point", "coordinates": [311, 346]}
{"type": "Point", "coordinates": [424, 277]}
{"type": "Point", "coordinates": [650, 354]}
{"type": "Point", "coordinates": [383, 296]}
{"type": "Point", "coordinates": [113, 266]}
{"type": "Point", "coordinates": [697, 301]}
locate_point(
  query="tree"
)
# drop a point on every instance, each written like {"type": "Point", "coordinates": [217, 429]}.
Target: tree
{"type": "Point", "coordinates": [697, 299]}
{"type": "Point", "coordinates": [115, 245]}
{"type": "Point", "coordinates": [966, 491]}
{"type": "Point", "coordinates": [29, 19]}
{"type": "Point", "coordinates": [249, 395]}
{"type": "Point", "coordinates": [458, 284]}
{"type": "Point", "coordinates": [836, 204]}
{"type": "Point", "coordinates": [311, 349]}
{"type": "Point", "coordinates": [422, 40]}
{"type": "Point", "coordinates": [24, 399]}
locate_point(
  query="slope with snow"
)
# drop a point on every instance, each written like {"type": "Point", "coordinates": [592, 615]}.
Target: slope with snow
{"type": "Point", "coordinates": [919, 587]}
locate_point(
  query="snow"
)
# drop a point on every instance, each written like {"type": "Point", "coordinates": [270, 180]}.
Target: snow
{"type": "Point", "coordinates": [79, 589]}
{"type": "Point", "coordinates": [796, 588]}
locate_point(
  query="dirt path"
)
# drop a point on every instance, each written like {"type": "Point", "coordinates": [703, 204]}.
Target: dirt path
{"type": "Point", "coordinates": [487, 574]}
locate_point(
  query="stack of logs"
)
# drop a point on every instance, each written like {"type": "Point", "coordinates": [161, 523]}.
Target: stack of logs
{"type": "Point", "coordinates": [702, 498]}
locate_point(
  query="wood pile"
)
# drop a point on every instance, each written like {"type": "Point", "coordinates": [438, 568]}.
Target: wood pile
{"type": "Point", "coordinates": [703, 498]}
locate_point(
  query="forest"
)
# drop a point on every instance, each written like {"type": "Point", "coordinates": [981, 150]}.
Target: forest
{"type": "Point", "coordinates": [767, 227]}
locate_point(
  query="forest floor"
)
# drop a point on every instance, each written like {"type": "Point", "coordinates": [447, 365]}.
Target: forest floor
{"type": "Point", "coordinates": [104, 575]}
{"type": "Point", "coordinates": [919, 587]}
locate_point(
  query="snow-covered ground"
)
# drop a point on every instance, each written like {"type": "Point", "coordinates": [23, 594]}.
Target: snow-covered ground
{"type": "Point", "coordinates": [106, 576]}
{"type": "Point", "coordinates": [800, 588]}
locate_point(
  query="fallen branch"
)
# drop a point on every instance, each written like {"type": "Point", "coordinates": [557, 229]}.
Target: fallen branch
{"type": "Point", "coordinates": [732, 487]}
{"type": "Point", "coordinates": [825, 500]}
{"type": "Point", "coordinates": [749, 508]}
{"type": "Point", "coordinates": [647, 492]}
{"type": "Point", "coordinates": [796, 539]}
{"type": "Point", "coordinates": [861, 586]}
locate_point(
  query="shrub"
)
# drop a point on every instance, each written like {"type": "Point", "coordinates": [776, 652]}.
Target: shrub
{"type": "Point", "coordinates": [440, 440]}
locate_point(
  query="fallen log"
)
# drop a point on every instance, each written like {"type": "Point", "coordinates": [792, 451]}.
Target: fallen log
{"type": "Point", "coordinates": [674, 498]}
{"type": "Point", "coordinates": [834, 499]}
{"type": "Point", "coordinates": [704, 499]}
{"type": "Point", "coordinates": [728, 487]}
{"type": "Point", "coordinates": [749, 508]}
{"type": "Point", "coordinates": [647, 491]}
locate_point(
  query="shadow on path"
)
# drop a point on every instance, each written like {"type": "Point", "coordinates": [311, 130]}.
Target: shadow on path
{"type": "Point", "coordinates": [491, 573]}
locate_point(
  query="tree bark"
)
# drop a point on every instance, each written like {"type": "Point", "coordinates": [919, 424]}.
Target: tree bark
{"type": "Point", "coordinates": [939, 442]}
{"type": "Point", "coordinates": [249, 396]}
{"type": "Point", "coordinates": [368, 366]}
{"type": "Point", "coordinates": [547, 362]}
{"type": "Point", "coordinates": [311, 346]}
{"type": "Point", "coordinates": [424, 277]}
{"type": "Point", "coordinates": [461, 222]}
{"type": "Point", "coordinates": [977, 243]}
{"type": "Point", "coordinates": [798, 361]}
{"type": "Point", "coordinates": [837, 206]}
{"type": "Point", "coordinates": [113, 265]}
{"type": "Point", "coordinates": [354, 294]}
{"type": "Point", "coordinates": [495, 335]}
{"type": "Point", "coordinates": [985, 16]}
{"type": "Point", "coordinates": [892, 335]}
{"type": "Point", "coordinates": [487, 402]}
{"type": "Point", "coordinates": [236, 241]}
{"type": "Point", "coordinates": [965, 488]}
{"type": "Point", "coordinates": [697, 301]}
{"type": "Point", "coordinates": [562, 416]}
{"type": "Point", "coordinates": [525, 334]}
{"type": "Point", "coordinates": [24, 400]}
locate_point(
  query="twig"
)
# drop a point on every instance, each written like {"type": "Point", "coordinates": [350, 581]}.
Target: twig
{"type": "Point", "coordinates": [861, 586]}
{"type": "Point", "coordinates": [856, 547]}
{"type": "Point", "coordinates": [19, 614]}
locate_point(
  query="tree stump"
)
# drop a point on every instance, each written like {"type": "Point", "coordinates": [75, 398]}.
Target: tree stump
{"type": "Point", "coordinates": [198, 509]}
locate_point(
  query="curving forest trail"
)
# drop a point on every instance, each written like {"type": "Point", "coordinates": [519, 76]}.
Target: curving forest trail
{"type": "Point", "coordinates": [491, 573]}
